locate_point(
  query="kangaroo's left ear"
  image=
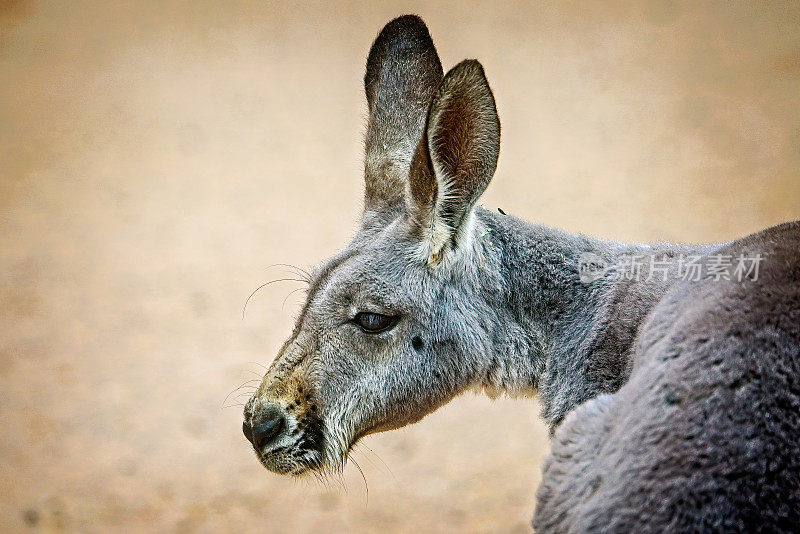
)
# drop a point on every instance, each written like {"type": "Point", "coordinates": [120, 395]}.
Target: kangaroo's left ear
{"type": "Point", "coordinates": [455, 159]}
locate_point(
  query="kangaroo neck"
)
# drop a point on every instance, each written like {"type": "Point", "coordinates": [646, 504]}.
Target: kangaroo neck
{"type": "Point", "coordinates": [578, 334]}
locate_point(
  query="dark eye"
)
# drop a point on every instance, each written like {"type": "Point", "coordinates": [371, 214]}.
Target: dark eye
{"type": "Point", "coordinates": [373, 322]}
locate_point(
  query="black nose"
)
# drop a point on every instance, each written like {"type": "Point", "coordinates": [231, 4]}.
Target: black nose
{"type": "Point", "coordinates": [248, 431]}
{"type": "Point", "coordinates": [266, 429]}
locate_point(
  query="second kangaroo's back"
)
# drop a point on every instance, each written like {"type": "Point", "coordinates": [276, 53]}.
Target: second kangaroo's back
{"type": "Point", "coordinates": [705, 433]}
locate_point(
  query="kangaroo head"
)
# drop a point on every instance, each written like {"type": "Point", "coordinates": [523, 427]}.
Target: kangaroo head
{"type": "Point", "coordinates": [391, 324]}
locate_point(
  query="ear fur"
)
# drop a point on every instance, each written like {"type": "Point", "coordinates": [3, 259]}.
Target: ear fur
{"type": "Point", "coordinates": [403, 70]}
{"type": "Point", "coordinates": [455, 159]}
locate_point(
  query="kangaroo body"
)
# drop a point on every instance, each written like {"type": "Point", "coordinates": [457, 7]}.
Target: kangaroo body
{"type": "Point", "coordinates": [669, 374]}
{"type": "Point", "coordinates": [703, 434]}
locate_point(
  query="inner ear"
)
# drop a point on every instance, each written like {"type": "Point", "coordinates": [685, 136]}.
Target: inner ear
{"type": "Point", "coordinates": [456, 157]}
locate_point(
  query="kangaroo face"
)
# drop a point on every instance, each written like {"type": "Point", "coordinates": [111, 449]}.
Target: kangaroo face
{"type": "Point", "coordinates": [368, 354]}
{"type": "Point", "coordinates": [388, 323]}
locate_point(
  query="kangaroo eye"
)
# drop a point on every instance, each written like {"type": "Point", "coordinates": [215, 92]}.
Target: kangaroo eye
{"type": "Point", "coordinates": [373, 322]}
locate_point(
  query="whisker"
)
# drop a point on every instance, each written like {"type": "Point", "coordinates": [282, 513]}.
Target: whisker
{"type": "Point", "coordinates": [336, 477]}
{"type": "Point", "coordinates": [244, 309]}
{"type": "Point", "coordinates": [389, 469]}
{"type": "Point", "coordinates": [289, 295]}
{"type": "Point", "coordinates": [244, 384]}
{"type": "Point", "coordinates": [329, 480]}
{"type": "Point", "coordinates": [357, 449]}
{"type": "Point", "coordinates": [246, 390]}
{"type": "Point", "coordinates": [342, 482]}
{"type": "Point", "coordinates": [305, 274]}
{"type": "Point", "coordinates": [366, 486]}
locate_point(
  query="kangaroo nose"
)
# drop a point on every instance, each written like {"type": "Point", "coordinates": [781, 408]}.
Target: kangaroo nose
{"type": "Point", "coordinates": [248, 431]}
{"type": "Point", "coordinates": [264, 431]}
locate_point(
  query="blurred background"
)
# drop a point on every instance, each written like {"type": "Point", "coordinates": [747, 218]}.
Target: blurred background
{"type": "Point", "coordinates": [157, 157]}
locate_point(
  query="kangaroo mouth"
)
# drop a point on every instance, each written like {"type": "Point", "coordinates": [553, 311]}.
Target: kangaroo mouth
{"type": "Point", "coordinates": [290, 460]}
{"type": "Point", "coordinates": [302, 454]}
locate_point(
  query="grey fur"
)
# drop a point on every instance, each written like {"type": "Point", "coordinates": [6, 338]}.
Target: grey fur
{"type": "Point", "coordinates": [674, 405]}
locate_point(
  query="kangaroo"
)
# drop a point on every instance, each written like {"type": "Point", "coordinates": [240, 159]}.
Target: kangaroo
{"type": "Point", "coordinates": [673, 400]}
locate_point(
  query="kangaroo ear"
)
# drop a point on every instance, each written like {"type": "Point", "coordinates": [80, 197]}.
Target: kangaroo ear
{"type": "Point", "coordinates": [455, 159]}
{"type": "Point", "coordinates": [403, 70]}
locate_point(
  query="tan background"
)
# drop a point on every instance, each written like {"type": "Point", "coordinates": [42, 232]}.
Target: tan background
{"type": "Point", "coordinates": [157, 157]}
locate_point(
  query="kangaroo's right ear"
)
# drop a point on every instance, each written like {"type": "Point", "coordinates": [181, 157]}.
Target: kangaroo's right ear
{"type": "Point", "coordinates": [403, 70]}
{"type": "Point", "coordinates": [455, 159]}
